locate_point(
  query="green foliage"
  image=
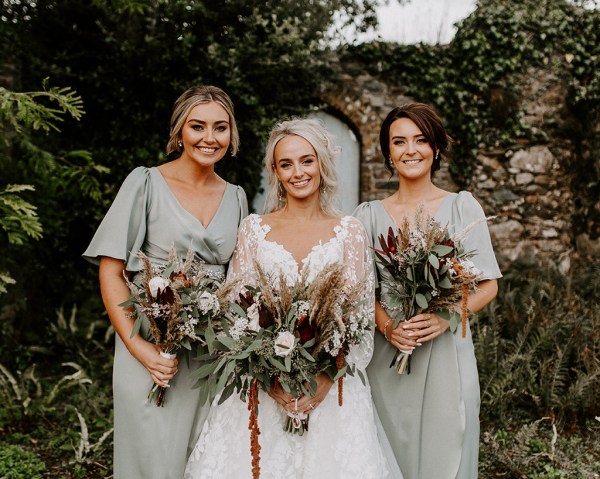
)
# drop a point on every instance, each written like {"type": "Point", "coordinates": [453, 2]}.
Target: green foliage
{"type": "Point", "coordinates": [57, 394]}
{"type": "Point", "coordinates": [474, 82]}
{"type": "Point", "coordinates": [537, 450]}
{"type": "Point", "coordinates": [16, 463]}
{"type": "Point", "coordinates": [18, 217]}
{"type": "Point", "coordinates": [26, 109]}
{"type": "Point", "coordinates": [538, 354]}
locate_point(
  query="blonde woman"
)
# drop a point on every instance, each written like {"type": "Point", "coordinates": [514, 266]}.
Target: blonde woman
{"type": "Point", "coordinates": [183, 203]}
{"type": "Point", "coordinates": [302, 230]}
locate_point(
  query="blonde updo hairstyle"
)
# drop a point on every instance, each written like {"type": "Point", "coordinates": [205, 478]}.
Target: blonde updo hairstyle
{"type": "Point", "coordinates": [187, 101]}
{"type": "Point", "coordinates": [313, 131]}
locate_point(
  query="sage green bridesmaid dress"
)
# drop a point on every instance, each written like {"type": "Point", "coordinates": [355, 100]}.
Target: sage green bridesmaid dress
{"type": "Point", "coordinates": [431, 416]}
{"type": "Point", "coordinates": [153, 442]}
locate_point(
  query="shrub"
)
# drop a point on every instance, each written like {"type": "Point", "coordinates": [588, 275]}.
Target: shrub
{"type": "Point", "coordinates": [16, 463]}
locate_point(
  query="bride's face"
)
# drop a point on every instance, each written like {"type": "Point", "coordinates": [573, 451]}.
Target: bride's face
{"type": "Point", "coordinates": [297, 167]}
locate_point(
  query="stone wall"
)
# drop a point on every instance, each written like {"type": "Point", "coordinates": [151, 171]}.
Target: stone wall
{"type": "Point", "coordinates": [526, 187]}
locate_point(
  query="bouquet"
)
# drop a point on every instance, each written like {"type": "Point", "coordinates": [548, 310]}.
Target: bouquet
{"type": "Point", "coordinates": [429, 271]}
{"type": "Point", "coordinates": [178, 299]}
{"type": "Point", "coordinates": [288, 334]}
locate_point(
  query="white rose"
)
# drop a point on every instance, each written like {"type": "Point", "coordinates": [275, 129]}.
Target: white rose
{"type": "Point", "coordinates": [253, 316]}
{"type": "Point", "coordinates": [156, 284]}
{"type": "Point", "coordinates": [207, 302]}
{"type": "Point", "coordinates": [284, 343]}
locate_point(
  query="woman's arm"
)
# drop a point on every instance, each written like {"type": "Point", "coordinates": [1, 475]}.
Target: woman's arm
{"type": "Point", "coordinates": [427, 326]}
{"type": "Point", "coordinates": [114, 291]}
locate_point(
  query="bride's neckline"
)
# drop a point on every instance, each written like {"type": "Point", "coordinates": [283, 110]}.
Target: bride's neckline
{"type": "Point", "coordinates": [300, 264]}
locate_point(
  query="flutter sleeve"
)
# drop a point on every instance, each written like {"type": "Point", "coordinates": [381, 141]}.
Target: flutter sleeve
{"type": "Point", "coordinates": [471, 225]}
{"type": "Point", "coordinates": [359, 271]}
{"type": "Point", "coordinates": [123, 229]}
{"type": "Point", "coordinates": [243, 202]}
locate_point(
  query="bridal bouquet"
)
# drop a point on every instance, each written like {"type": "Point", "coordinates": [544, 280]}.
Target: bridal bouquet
{"type": "Point", "coordinates": [430, 272]}
{"type": "Point", "coordinates": [178, 299]}
{"type": "Point", "coordinates": [286, 333]}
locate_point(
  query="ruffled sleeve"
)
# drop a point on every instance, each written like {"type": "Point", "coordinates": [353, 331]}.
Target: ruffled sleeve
{"type": "Point", "coordinates": [470, 222]}
{"type": "Point", "coordinates": [123, 229]}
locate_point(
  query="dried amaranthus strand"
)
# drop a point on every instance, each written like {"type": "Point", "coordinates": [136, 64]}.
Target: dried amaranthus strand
{"type": "Point", "coordinates": [464, 312]}
{"type": "Point", "coordinates": [254, 430]}
{"type": "Point", "coordinates": [340, 365]}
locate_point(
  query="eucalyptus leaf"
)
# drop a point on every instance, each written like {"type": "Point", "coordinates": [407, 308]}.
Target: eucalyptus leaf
{"type": "Point", "coordinates": [287, 361]}
{"type": "Point", "coordinates": [227, 392]}
{"type": "Point", "coordinates": [442, 249]}
{"type": "Point", "coordinates": [434, 261]}
{"type": "Point", "coordinates": [137, 324]}
{"type": "Point", "coordinates": [421, 301]}
{"type": "Point", "coordinates": [361, 376]}
{"type": "Point", "coordinates": [340, 373]}
{"type": "Point", "coordinates": [237, 309]}
{"type": "Point", "coordinates": [306, 354]}
{"type": "Point", "coordinates": [277, 363]}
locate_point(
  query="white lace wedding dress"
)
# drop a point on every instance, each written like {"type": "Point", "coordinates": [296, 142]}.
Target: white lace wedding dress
{"type": "Point", "coordinates": [342, 442]}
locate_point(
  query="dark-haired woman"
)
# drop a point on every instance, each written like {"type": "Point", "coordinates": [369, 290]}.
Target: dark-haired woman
{"type": "Point", "coordinates": [430, 416]}
{"type": "Point", "coordinates": [185, 204]}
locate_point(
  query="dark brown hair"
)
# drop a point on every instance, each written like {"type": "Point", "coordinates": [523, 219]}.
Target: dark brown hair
{"type": "Point", "coordinates": [430, 124]}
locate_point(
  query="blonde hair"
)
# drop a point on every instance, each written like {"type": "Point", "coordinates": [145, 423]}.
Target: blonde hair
{"type": "Point", "coordinates": [187, 101]}
{"type": "Point", "coordinates": [313, 131]}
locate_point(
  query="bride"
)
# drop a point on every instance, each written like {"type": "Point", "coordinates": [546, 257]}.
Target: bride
{"type": "Point", "coordinates": [301, 231]}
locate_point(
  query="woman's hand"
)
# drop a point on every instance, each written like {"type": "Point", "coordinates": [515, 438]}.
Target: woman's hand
{"type": "Point", "coordinates": [423, 328]}
{"type": "Point", "coordinates": [307, 404]}
{"type": "Point", "coordinates": [280, 396]}
{"type": "Point", "coordinates": [161, 369]}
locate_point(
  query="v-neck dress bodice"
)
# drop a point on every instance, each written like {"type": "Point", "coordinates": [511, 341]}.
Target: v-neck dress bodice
{"type": "Point", "coordinates": [431, 416]}
{"type": "Point", "coordinates": [146, 216]}
{"type": "Point", "coordinates": [149, 441]}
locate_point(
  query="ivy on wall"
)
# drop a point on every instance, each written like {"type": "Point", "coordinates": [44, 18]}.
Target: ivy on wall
{"type": "Point", "coordinates": [475, 83]}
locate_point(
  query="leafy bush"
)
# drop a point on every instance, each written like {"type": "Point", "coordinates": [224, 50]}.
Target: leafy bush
{"type": "Point", "coordinates": [537, 450]}
{"type": "Point", "coordinates": [16, 463]}
{"type": "Point", "coordinates": [539, 350]}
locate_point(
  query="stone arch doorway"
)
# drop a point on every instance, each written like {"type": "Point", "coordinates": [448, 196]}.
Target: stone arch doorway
{"type": "Point", "coordinates": [348, 165]}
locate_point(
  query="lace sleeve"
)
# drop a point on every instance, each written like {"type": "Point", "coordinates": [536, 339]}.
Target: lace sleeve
{"type": "Point", "coordinates": [359, 269]}
{"type": "Point", "coordinates": [241, 265]}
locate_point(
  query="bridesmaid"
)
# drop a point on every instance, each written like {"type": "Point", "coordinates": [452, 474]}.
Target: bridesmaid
{"type": "Point", "coordinates": [182, 203]}
{"type": "Point", "coordinates": [430, 416]}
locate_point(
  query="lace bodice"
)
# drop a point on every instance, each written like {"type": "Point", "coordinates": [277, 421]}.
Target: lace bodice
{"type": "Point", "coordinates": [348, 246]}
